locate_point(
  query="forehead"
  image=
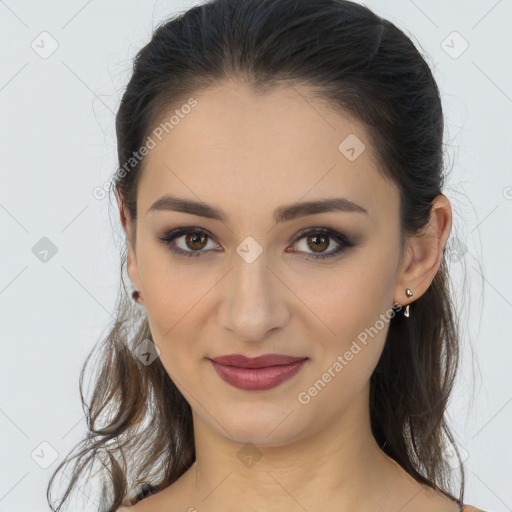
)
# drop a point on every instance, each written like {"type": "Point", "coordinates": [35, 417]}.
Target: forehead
{"type": "Point", "coordinates": [250, 152]}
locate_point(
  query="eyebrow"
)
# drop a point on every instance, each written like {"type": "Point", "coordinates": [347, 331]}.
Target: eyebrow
{"type": "Point", "coordinates": [281, 214]}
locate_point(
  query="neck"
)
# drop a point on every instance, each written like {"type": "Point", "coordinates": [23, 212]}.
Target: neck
{"type": "Point", "coordinates": [338, 467]}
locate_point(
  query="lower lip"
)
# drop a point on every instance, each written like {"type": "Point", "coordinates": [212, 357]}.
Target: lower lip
{"type": "Point", "coordinates": [257, 379]}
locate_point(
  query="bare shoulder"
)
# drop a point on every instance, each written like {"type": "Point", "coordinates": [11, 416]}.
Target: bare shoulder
{"type": "Point", "coordinates": [430, 500]}
{"type": "Point", "coordinates": [152, 503]}
{"type": "Point", "coordinates": [137, 508]}
{"type": "Point", "coordinates": [141, 506]}
{"type": "Point", "coordinates": [132, 508]}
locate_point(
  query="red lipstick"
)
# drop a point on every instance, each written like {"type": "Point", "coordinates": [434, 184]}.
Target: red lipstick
{"type": "Point", "coordinates": [257, 373]}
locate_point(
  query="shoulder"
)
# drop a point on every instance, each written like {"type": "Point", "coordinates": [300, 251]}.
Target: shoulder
{"type": "Point", "coordinates": [149, 504]}
{"type": "Point", "coordinates": [141, 506]}
{"type": "Point", "coordinates": [134, 508]}
{"type": "Point", "coordinates": [138, 501]}
{"type": "Point", "coordinates": [137, 507]}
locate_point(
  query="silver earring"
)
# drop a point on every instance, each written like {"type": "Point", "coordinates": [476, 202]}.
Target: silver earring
{"type": "Point", "coordinates": [409, 294]}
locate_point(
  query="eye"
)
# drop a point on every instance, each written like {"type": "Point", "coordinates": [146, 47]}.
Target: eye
{"type": "Point", "coordinates": [194, 239]}
{"type": "Point", "coordinates": [316, 239]}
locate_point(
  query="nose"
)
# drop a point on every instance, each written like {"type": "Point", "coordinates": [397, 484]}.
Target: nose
{"type": "Point", "coordinates": [254, 301]}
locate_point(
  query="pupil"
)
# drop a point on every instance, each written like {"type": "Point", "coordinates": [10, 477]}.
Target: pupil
{"type": "Point", "coordinates": [319, 243]}
{"type": "Point", "coordinates": [194, 237]}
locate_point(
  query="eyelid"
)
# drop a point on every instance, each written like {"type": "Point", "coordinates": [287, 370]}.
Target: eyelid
{"type": "Point", "coordinates": [341, 239]}
{"type": "Point", "coordinates": [173, 234]}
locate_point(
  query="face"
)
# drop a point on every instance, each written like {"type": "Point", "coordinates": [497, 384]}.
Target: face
{"type": "Point", "coordinates": [313, 285]}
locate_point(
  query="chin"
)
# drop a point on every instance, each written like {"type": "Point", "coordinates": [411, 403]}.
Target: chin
{"type": "Point", "coordinates": [260, 425]}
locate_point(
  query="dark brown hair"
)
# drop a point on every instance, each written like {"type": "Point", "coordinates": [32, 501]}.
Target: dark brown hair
{"type": "Point", "coordinates": [140, 425]}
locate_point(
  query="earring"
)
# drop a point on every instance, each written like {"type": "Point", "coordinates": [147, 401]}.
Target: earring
{"type": "Point", "coordinates": [135, 295]}
{"type": "Point", "coordinates": [409, 294]}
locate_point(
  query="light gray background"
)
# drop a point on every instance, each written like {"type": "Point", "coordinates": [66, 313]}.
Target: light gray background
{"type": "Point", "coordinates": [58, 144]}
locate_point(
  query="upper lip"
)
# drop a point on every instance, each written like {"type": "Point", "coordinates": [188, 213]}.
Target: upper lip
{"type": "Point", "coordinates": [262, 361]}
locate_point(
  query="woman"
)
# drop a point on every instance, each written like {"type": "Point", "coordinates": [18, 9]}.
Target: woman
{"type": "Point", "coordinates": [294, 345]}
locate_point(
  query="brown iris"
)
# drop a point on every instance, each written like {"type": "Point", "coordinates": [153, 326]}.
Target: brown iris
{"type": "Point", "coordinates": [195, 238]}
{"type": "Point", "coordinates": [322, 245]}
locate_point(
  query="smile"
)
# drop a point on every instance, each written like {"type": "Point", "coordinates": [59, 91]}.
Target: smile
{"type": "Point", "coordinates": [257, 379]}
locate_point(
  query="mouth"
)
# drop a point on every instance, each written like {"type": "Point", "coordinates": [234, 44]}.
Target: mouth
{"type": "Point", "coordinates": [263, 361]}
{"type": "Point", "coordinates": [257, 374]}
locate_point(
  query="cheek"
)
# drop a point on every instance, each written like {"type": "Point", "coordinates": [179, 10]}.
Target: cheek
{"type": "Point", "coordinates": [172, 286]}
{"type": "Point", "coordinates": [352, 307]}
{"type": "Point", "coordinates": [347, 299]}
{"type": "Point", "coordinates": [355, 314]}
{"type": "Point", "coordinates": [176, 299]}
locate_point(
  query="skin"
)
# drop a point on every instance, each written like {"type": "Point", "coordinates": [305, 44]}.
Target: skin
{"type": "Point", "coordinates": [249, 154]}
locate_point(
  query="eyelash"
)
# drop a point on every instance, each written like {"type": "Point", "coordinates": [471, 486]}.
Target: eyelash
{"type": "Point", "coordinates": [339, 238]}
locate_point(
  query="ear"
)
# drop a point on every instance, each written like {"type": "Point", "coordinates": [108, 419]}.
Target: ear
{"type": "Point", "coordinates": [129, 226]}
{"type": "Point", "coordinates": [424, 253]}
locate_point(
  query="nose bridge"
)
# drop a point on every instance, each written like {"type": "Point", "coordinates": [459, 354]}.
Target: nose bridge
{"type": "Point", "coordinates": [253, 303]}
